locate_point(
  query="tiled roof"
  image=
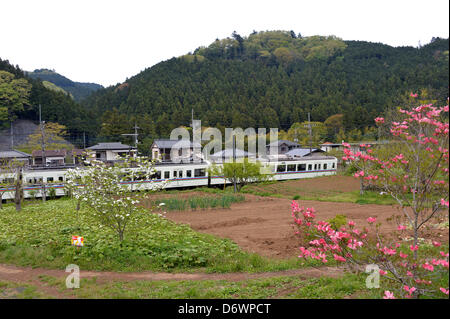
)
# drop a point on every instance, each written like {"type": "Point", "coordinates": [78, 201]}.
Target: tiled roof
{"type": "Point", "coordinates": [13, 154]}
{"type": "Point", "coordinates": [110, 146]}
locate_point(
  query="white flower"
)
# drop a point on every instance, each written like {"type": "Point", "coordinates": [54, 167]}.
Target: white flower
{"type": "Point", "coordinates": [162, 204]}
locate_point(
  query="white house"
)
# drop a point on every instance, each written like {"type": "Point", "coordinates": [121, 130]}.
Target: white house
{"type": "Point", "coordinates": [107, 152]}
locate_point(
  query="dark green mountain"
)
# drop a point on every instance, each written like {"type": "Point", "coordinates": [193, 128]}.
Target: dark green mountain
{"type": "Point", "coordinates": [272, 79]}
{"type": "Point", "coordinates": [78, 90]}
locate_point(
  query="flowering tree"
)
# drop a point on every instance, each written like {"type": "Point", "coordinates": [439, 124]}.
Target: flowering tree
{"type": "Point", "coordinates": [107, 191]}
{"type": "Point", "coordinates": [418, 179]}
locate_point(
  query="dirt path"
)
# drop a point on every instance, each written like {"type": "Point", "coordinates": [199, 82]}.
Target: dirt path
{"type": "Point", "coordinates": [264, 224]}
{"type": "Point", "coordinates": [29, 275]}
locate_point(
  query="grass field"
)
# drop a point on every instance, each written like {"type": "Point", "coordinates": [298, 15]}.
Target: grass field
{"type": "Point", "coordinates": [40, 236]}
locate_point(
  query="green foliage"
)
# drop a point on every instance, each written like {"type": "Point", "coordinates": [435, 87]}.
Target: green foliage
{"type": "Point", "coordinates": [40, 235]}
{"type": "Point", "coordinates": [338, 221]}
{"type": "Point", "coordinates": [240, 172]}
{"type": "Point", "coordinates": [246, 84]}
{"type": "Point", "coordinates": [205, 202]}
{"type": "Point", "coordinates": [14, 96]}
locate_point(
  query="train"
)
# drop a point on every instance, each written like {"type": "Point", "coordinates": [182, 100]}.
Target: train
{"type": "Point", "coordinates": [171, 175]}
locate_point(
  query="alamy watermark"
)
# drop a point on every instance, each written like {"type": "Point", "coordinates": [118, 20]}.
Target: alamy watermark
{"type": "Point", "coordinates": [188, 150]}
{"type": "Point", "coordinates": [73, 280]}
{"type": "Point", "coordinates": [373, 280]}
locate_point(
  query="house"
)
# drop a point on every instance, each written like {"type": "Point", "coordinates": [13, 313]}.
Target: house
{"type": "Point", "coordinates": [8, 156]}
{"type": "Point", "coordinates": [108, 152]}
{"type": "Point", "coordinates": [162, 149]}
{"type": "Point", "coordinates": [283, 146]}
{"type": "Point", "coordinates": [52, 157]}
{"type": "Point", "coordinates": [302, 152]}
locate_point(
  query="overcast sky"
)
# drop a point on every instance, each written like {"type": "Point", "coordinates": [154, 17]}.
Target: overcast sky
{"type": "Point", "coordinates": [106, 41]}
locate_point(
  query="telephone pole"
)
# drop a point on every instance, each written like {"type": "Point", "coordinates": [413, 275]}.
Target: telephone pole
{"type": "Point", "coordinates": [41, 124]}
{"type": "Point", "coordinates": [135, 134]}
{"type": "Point", "coordinates": [12, 136]}
{"type": "Point", "coordinates": [310, 133]}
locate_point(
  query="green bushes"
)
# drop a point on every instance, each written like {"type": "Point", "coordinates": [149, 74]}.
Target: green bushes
{"type": "Point", "coordinates": [203, 202]}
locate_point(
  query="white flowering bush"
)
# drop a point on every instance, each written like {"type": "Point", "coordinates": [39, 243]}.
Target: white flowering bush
{"type": "Point", "coordinates": [110, 191]}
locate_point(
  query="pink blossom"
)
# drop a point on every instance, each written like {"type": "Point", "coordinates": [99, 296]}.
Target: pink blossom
{"type": "Point", "coordinates": [445, 291]}
{"type": "Point", "coordinates": [382, 272]}
{"type": "Point", "coordinates": [371, 220]}
{"type": "Point", "coordinates": [414, 248]}
{"type": "Point", "coordinates": [436, 244]}
{"type": "Point", "coordinates": [390, 295]}
{"type": "Point", "coordinates": [401, 227]}
{"type": "Point", "coordinates": [428, 267]}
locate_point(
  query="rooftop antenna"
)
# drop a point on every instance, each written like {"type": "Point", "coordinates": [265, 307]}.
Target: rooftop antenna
{"type": "Point", "coordinates": [135, 134]}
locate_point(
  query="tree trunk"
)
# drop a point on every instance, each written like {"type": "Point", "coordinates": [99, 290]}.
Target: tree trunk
{"type": "Point", "coordinates": [361, 186]}
{"type": "Point", "coordinates": [19, 190]}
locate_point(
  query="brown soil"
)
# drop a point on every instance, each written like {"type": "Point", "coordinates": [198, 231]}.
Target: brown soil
{"type": "Point", "coordinates": [264, 225]}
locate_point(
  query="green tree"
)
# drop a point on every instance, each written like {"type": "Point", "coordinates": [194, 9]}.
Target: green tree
{"type": "Point", "coordinates": [240, 172]}
{"type": "Point", "coordinates": [14, 94]}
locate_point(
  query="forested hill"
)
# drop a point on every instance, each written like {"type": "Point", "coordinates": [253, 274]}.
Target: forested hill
{"type": "Point", "coordinates": [273, 79]}
{"type": "Point", "coordinates": [21, 95]}
{"type": "Point", "coordinates": [78, 90]}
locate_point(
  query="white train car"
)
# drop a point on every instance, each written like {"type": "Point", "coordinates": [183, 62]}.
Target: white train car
{"type": "Point", "coordinates": [170, 176]}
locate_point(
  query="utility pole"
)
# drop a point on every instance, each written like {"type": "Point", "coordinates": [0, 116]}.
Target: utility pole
{"type": "Point", "coordinates": [310, 133]}
{"type": "Point", "coordinates": [135, 134]}
{"type": "Point", "coordinates": [12, 136]}
{"type": "Point", "coordinates": [44, 161]}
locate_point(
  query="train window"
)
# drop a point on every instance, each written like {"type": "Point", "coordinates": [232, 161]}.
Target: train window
{"type": "Point", "coordinates": [60, 178]}
{"type": "Point", "coordinates": [158, 174]}
{"type": "Point", "coordinates": [49, 179]}
{"type": "Point", "coordinates": [167, 175]}
{"type": "Point", "coordinates": [319, 166]}
{"type": "Point", "coordinates": [199, 172]}
{"type": "Point", "coordinates": [291, 168]}
{"type": "Point", "coordinates": [315, 167]}
{"type": "Point", "coordinates": [301, 167]}
{"type": "Point", "coordinates": [325, 166]}
{"type": "Point", "coordinates": [309, 167]}
{"type": "Point", "coordinates": [281, 168]}
{"type": "Point", "coordinates": [334, 165]}
{"type": "Point", "coordinates": [180, 174]}
{"type": "Point", "coordinates": [189, 173]}
{"type": "Point", "coordinates": [175, 174]}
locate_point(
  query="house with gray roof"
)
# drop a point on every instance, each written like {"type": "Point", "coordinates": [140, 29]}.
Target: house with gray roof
{"type": "Point", "coordinates": [108, 152]}
{"type": "Point", "coordinates": [166, 149]}
{"type": "Point", "coordinates": [283, 146]}
{"type": "Point", "coordinates": [10, 155]}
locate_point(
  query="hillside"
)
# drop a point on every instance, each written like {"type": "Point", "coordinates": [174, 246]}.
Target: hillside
{"type": "Point", "coordinates": [20, 97]}
{"type": "Point", "coordinates": [272, 79]}
{"type": "Point", "coordinates": [78, 90]}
